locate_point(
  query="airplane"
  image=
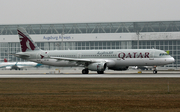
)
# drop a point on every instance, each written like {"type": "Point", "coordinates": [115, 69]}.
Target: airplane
{"type": "Point", "coordinates": [18, 65]}
{"type": "Point", "coordinates": [94, 60]}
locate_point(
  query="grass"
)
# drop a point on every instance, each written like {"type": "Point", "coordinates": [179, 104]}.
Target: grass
{"type": "Point", "coordinates": [90, 94]}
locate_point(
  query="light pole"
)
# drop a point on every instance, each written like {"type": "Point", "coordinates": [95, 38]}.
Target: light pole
{"type": "Point", "coordinates": [137, 32]}
{"type": "Point", "coordinates": [62, 48]}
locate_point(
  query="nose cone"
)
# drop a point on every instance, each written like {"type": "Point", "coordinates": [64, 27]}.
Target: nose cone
{"type": "Point", "coordinates": [171, 60]}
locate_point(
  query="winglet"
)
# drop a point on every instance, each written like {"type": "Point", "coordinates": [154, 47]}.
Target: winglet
{"type": "Point", "coordinates": [167, 51]}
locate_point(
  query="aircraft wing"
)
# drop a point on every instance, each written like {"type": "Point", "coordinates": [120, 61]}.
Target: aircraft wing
{"type": "Point", "coordinates": [74, 59]}
{"type": "Point", "coordinates": [8, 67]}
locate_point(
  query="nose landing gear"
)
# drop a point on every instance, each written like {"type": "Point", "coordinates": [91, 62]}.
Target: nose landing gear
{"type": "Point", "coordinates": [154, 70]}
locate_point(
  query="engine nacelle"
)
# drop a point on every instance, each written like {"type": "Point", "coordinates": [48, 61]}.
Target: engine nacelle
{"type": "Point", "coordinates": [120, 68]}
{"type": "Point", "coordinates": [8, 67]}
{"type": "Point", "coordinates": [97, 66]}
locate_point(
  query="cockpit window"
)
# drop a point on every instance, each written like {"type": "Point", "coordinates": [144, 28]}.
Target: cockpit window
{"type": "Point", "coordinates": [163, 54]}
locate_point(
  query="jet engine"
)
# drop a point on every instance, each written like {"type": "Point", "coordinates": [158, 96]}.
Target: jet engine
{"type": "Point", "coordinates": [120, 68]}
{"type": "Point", "coordinates": [97, 66]}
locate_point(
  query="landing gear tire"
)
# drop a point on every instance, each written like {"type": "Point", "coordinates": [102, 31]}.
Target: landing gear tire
{"type": "Point", "coordinates": [100, 72]}
{"type": "Point", "coordinates": [154, 71]}
{"type": "Point", "coordinates": [85, 71]}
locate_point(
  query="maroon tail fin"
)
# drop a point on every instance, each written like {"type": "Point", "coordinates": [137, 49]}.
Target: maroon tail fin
{"type": "Point", "coordinates": [5, 60]}
{"type": "Point", "coordinates": [26, 42]}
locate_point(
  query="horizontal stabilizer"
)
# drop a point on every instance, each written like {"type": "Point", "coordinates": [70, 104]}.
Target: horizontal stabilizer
{"type": "Point", "coordinates": [20, 55]}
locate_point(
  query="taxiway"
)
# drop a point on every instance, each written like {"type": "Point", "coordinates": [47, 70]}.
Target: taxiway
{"type": "Point", "coordinates": [77, 74]}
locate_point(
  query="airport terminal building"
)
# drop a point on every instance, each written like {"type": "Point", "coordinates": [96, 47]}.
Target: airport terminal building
{"type": "Point", "coordinates": [163, 35]}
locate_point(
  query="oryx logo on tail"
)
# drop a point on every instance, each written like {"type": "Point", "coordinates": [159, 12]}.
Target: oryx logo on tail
{"type": "Point", "coordinates": [26, 42]}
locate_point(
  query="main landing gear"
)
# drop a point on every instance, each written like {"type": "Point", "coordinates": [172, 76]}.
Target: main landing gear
{"type": "Point", "coordinates": [85, 71]}
{"type": "Point", "coordinates": [154, 70]}
{"type": "Point", "coordinates": [100, 72]}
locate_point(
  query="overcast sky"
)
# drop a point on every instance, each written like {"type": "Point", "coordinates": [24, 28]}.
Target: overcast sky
{"type": "Point", "coordinates": [81, 11]}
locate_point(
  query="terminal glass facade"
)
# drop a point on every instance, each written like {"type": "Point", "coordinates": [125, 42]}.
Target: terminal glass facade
{"type": "Point", "coordinates": [88, 28]}
{"type": "Point", "coordinates": [105, 27]}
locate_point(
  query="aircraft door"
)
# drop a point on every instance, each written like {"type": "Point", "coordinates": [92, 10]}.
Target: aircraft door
{"type": "Point", "coordinates": [151, 55]}
{"type": "Point", "coordinates": [78, 55]}
{"type": "Point", "coordinates": [37, 56]}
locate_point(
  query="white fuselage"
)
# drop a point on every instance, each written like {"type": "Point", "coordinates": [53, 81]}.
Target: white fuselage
{"type": "Point", "coordinates": [121, 57]}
